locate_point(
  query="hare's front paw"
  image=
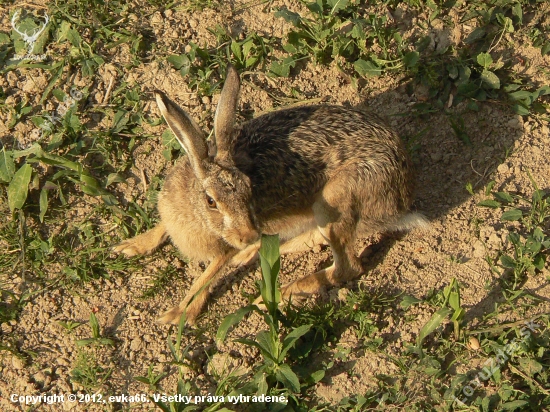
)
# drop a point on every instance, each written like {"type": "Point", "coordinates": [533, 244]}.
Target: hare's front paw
{"type": "Point", "coordinates": [142, 244]}
{"type": "Point", "coordinates": [174, 315]}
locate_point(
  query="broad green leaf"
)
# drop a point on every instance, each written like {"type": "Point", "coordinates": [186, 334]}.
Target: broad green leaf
{"type": "Point", "coordinates": [85, 342]}
{"type": "Point", "coordinates": [411, 58]}
{"type": "Point", "coordinates": [114, 178]}
{"type": "Point", "coordinates": [169, 140]}
{"type": "Point", "coordinates": [484, 59]}
{"type": "Point", "coordinates": [520, 95]}
{"type": "Point", "coordinates": [513, 406]}
{"type": "Point", "coordinates": [19, 187]}
{"type": "Point", "coordinates": [121, 119]}
{"type": "Point", "coordinates": [434, 322]}
{"type": "Point", "coordinates": [518, 12]}
{"type": "Point", "coordinates": [454, 300]}
{"type": "Point", "coordinates": [533, 246]}
{"type": "Point", "coordinates": [247, 46]}
{"type": "Point", "coordinates": [521, 110]}
{"type": "Point", "coordinates": [539, 261]}
{"type": "Point", "coordinates": [269, 249]}
{"type": "Point", "coordinates": [490, 79]}
{"type": "Point", "coordinates": [236, 49]}
{"type": "Point", "coordinates": [366, 68]}
{"type": "Point", "coordinates": [287, 377]}
{"type": "Point", "coordinates": [270, 262]}
{"type": "Point", "coordinates": [289, 16]}
{"type": "Point", "coordinates": [7, 166]}
{"type": "Point", "coordinates": [317, 376]}
{"type": "Point", "coordinates": [530, 366]}
{"type": "Point", "coordinates": [230, 321]}
{"type": "Point", "coordinates": [260, 379]}
{"type": "Point", "coordinates": [43, 203]}
{"type": "Point", "coordinates": [538, 234]}
{"type": "Point", "coordinates": [409, 301]}
{"type": "Point", "coordinates": [475, 35]}
{"type": "Point", "coordinates": [178, 61]}
{"type": "Point", "coordinates": [265, 352]}
{"type": "Point", "coordinates": [89, 66]}
{"type": "Point", "coordinates": [503, 197]}
{"type": "Point", "coordinates": [512, 215]}
{"type": "Point", "coordinates": [336, 5]}
{"type": "Point", "coordinates": [507, 261]}
{"type": "Point", "coordinates": [291, 338]}
{"type": "Point", "coordinates": [94, 324]}
{"type": "Point", "coordinates": [514, 238]}
{"type": "Point", "coordinates": [270, 343]}
{"type": "Point", "coordinates": [282, 68]}
{"type": "Point", "coordinates": [490, 203]}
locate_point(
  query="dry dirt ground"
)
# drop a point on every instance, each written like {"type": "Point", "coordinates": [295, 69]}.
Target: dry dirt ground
{"type": "Point", "coordinates": [504, 147]}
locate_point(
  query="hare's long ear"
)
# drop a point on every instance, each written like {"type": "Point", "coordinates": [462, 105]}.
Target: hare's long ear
{"type": "Point", "coordinates": [186, 130]}
{"type": "Point", "coordinates": [224, 119]}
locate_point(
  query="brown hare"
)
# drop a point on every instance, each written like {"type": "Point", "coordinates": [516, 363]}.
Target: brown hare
{"type": "Point", "coordinates": [312, 174]}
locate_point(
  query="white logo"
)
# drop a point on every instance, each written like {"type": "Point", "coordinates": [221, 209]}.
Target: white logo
{"type": "Point", "coordinates": [30, 39]}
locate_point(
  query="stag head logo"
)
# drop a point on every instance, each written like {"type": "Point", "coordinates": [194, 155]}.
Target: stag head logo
{"type": "Point", "coordinates": [29, 38]}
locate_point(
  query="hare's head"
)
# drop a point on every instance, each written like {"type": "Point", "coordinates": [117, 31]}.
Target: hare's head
{"type": "Point", "coordinates": [226, 191]}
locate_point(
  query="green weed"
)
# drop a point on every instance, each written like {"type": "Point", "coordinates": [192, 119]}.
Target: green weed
{"type": "Point", "coordinates": [96, 339]}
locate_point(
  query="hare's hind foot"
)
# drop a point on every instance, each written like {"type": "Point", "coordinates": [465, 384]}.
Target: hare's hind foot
{"type": "Point", "coordinates": [316, 282]}
{"type": "Point", "coordinates": [143, 244]}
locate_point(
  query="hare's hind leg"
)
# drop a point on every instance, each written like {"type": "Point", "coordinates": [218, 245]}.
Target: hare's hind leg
{"type": "Point", "coordinates": [337, 224]}
{"type": "Point", "coordinates": [143, 244]}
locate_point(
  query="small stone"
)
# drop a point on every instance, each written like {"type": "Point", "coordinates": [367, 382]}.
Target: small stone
{"type": "Point", "coordinates": [503, 168]}
{"type": "Point", "coordinates": [193, 23]}
{"type": "Point", "coordinates": [39, 378]}
{"type": "Point", "coordinates": [494, 239]}
{"type": "Point", "coordinates": [188, 48]}
{"type": "Point", "coordinates": [514, 122]}
{"type": "Point", "coordinates": [205, 100]}
{"type": "Point", "coordinates": [136, 345]}
{"type": "Point", "coordinates": [473, 343]}
{"type": "Point", "coordinates": [17, 363]}
{"type": "Point", "coordinates": [479, 249]}
{"type": "Point", "coordinates": [436, 157]}
{"type": "Point", "coordinates": [157, 18]}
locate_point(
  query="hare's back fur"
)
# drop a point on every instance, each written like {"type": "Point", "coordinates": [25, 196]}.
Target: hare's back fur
{"type": "Point", "coordinates": [291, 155]}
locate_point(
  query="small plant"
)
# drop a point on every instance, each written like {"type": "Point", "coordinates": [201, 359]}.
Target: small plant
{"type": "Point", "coordinates": [88, 373]}
{"type": "Point", "coordinates": [69, 326]}
{"type": "Point", "coordinates": [152, 379]}
{"type": "Point", "coordinates": [274, 372]}
{"type": "Point", "coordinates": [337, 31]}
{"type": "Point", "coordinates": [449, 302]}
{"type": "Point", "coordinates": [530, 246]}
{"type": "Point", "coordinates": [96, 339]}
{"type": "Point", "coordinates": [203, 65]}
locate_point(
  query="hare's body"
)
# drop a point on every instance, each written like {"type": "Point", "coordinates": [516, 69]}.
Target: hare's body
{"type": "Point", "coordinates": [313, 174]}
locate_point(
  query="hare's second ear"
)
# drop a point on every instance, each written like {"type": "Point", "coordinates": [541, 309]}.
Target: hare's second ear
{"type": "Point", "coordinates": [186, 130]}
{"type": "Point", "coordinates": [224, 119]}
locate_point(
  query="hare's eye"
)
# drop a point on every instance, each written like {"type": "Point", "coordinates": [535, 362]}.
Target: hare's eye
{"type": "Point", "coordinates": [211, 202]}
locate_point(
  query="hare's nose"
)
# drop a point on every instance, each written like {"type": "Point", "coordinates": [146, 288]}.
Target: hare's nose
{"type": "Point", "coordinates": [250, 236]}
